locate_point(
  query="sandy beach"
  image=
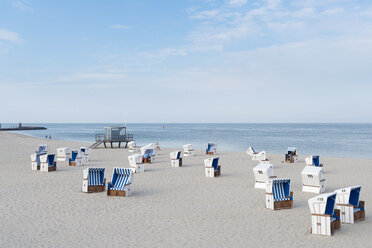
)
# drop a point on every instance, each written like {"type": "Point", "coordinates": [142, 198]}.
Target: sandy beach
{"type": "Point", "coordinates": [169, 207]}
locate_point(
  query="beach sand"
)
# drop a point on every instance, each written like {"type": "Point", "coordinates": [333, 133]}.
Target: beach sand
{"type": "Point", "coordinates": [169, 207]}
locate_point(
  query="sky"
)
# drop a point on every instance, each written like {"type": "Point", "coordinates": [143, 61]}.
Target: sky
{"type": "Point", "coordinates": [185, 61]}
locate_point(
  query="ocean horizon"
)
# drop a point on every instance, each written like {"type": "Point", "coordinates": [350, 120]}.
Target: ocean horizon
{"type": "Point", "coordinates": [324, 139]}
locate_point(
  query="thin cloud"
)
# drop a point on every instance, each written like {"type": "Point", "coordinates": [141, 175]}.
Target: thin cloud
{"type": "Point", "coordinates": [10, 36]}
{"type": "Point", "coordinates": [119, 26]}
{"type": "Point", "coordinates": [22, 5]}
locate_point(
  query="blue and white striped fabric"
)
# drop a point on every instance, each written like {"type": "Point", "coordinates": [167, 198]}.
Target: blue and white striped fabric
{"type": "Point", "coordinates": [120, 178]}
{"type": "Point", "coordinates": [96, 176]}
{"type": "Point", "coordinates": [281, 189]}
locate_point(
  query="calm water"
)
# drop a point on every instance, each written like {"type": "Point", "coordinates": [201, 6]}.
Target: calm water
{"type": "Point", "coordinates": [341, 140]}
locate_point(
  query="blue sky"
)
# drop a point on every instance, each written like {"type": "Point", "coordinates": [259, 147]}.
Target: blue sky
{"type": "Point", "coordinates": [185, 61]}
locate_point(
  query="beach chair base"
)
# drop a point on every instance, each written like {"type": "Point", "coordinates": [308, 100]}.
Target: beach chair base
{"type": "Point", "coordinates": [147, 160]}
{"type": "Point", "coordinates": [176, 162]}
{"type": "Point", "coordinates": [348, 216]}
{"type": "Point", "coordinates": [34, 166]}
{"type": "Point", "coordinates": [50, 168]}
{"type": "Point", "coordinates": [314, 189]}
{"type": "Point", "coordinates": [322, 225]}
{"type": "Point", "coordinates": [121, 193]}
{"type": "Point", "coordinates": [278, 205]}
{"type": "Point", "coordinates": [211, 172]}
{"type": "Point", "coordinates": [187, 154]}
{"type": "Point", "coordinates": [210, 153]}
{"type": "Point", "coordinates": [138, 168]}
{"type": "Point", "coordinates": [96, 188]}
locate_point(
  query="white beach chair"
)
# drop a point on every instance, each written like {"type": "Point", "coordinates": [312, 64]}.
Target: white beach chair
{"type": "Point", "coordinates": [121, 182]}
{"type": "Point", "coordinates": [135, 163]}
{"type": "Point", "coordinates": [292, 155]}
{"type": "Point", "coordinates": [63, 154]}
{"type": "Point", "coordinates": [260, 156]}
{"type": "Point", "coordinates": [94, 180]}
{"type": "Point", "coordinates": [347, 201]}
{"type": "Point", "coordinates": [132, 147]}
{"type": "Point", "coordinates": [313, 180]}
{"type": "Point", "coordinates": [212, 169]}
{"type": "Point", "coordinates": [325, 219]}
{"type": "Point", "coordinates": [35, 160]}
{"type": "Point", "coordinates": [279, 194]}
{"type": "Point", "coordinates": [47, 163]}
{"type": "Point", "coordinates": [176, 160]}
{"type": "Point", "coordinates": [148, 155]}
{"type": "Point", "coordinates": [188, 150]}
{"type": "Point", "coordinates": [262, 173]}
{"type": "Point", "coordinates": [85, 153]}
{"type": "Point", "coordinates": [211, 149]}
{"type": "Point", "coordinates": [313, 161]}
{"type": "Point", "coordinates": [76, 158]}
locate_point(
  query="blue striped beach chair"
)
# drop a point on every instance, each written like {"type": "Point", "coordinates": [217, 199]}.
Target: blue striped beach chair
{"type": "Point", "coordinates": [347, 201]}
{"type": "Point", "coordinates": [325, 219]}
{"type": "Point", "coordinates": [279, 194]}
{"type": "Point", "coordinates": [121, 182]}
{"type": "Point", "coordinates": [211, 149]}
{"type": "Point", "coordinates": [176, 160]}
{"type": "Point", "coordinates": [47, 163]}
{"type": "Point", "coordinates": [212, 169]}
{"type": "Point", "coordinates": [94, 180]}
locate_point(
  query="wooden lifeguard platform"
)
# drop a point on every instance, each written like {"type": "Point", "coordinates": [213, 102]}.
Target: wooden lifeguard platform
{"type": "Point", "coordinates": [113, 135]}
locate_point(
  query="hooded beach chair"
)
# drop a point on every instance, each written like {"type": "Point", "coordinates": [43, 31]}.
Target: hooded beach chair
{"type": "Point", "coordinates": [260, 156]}
{"type": "Point", "coordinates": [325, 219]}
{"type": "Point", "coordinates": [291, 156]}
{"type": "Point", "coordinates": [76, 158]}
{"type": "Point", "coordinates": [279, 194]}
{"type": "Point", "coordinates": [313, 180]}
{"type": "Point", "coordinates": [211, 149]}
{"type": "Point", "coordinates": [47, 163]}
{"type": "Point", "coordinates": [42, 149]}
{"type": "Point", "coordinates": [94, 180]}
{"type": "Point", "coordinates": [313, 161]}
{"type": "Point", "coordinates": [63, 154]}
{"type": "Point", "coordinates": [176, 160]}
{"type": "Point", "coordinates": [132, 147]}
{"type": "Point", "coordinates": [212, 169]}
{"type": "Point", "coordinates": [188, 150]}
{"type": "Point", "coordinates": [135, 163]}
{"type": "Point", "coordinates": [35, 160]}
{"type": "Point", "coordinates": [121, 182]}
{"type": "Point", "coordinates": [262, 173]}
{"type": "Point", "coordinates": [347, 201]}
{"type": "Point", "coordinates": [85, 152]}
{"type": "Point", "coordinates": [147, 155]}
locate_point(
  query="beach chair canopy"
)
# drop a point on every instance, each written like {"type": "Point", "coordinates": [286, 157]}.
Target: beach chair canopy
{"type": "Point", "coordinates": [251, 151]}
{"type": "Point", "coordinates": [83, 150]}
{"type": "Point", "coordinates": [211, 162]}
{"type": "Point", "coordinates": [135, 159]}
{"type": "Point", "coordinates": [187, 147]}
{"type": "Point", "coordinates": [280, 188]}
{"type": "Point", "coordinates": [312, 175]}
{"type": "Point", "coordinates": [42, 148]}
{"type": "Point", "coordinates": [292, 150]}
{"type": "Point", "coordinates": [48, 158]}
{"type": "Point", "coordinates": [211, 147]}
{"type": "Point", "coordinates": [121, 177]}
{"type": "Point", "coordinates": [63, 151]}
{"type": "Point", "coordinates": [95, 176]}
{"type": "Point", "coordinates": [175, 155]}
{"type": "Point", "coordinates": [348, 195]}
{"type": "Point", "coordinates": [263, 172]}
{"type": "Point", "coordinates": [323, 204]}
{"type": "Point", "coordinates": [74, 154]}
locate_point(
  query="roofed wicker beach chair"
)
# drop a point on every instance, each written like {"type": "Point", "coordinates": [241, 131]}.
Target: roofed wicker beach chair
{"type": "Point", "coordinates": [212, 169]}
{"type": "Point", "coordinates": [188, 150]}
{"type": "Point", "coordinates": [262, 173]}
{"type": "Point", "coordinates": [211, 149]}
{"type": "Point", "coordinates": [260, 156]}
{"type": "Point", "coordinates": [63, 154]}
{"type": "Point", "coordinates": [325, 219]}
{"type": "Point", "coordinates": [176, 159]}
{"type": "Point", "coordinates": [347, 201]}
{"type": "Point", "coordinates": [135, 163]}
{"type": "Point", "coordinates": [121, 182]}
{"type": "Point", "coordinates": [132, 147]}
{"type": "Point", "coordinates": [291, 156]}
{"type": "Point", "coordinates": [313, 161]}
{"type": "Point", "coordinates": [147, 155]}
{"type": "Point", "coordinates": [76, 158]}
{"type": "Point", "coordinates": [85, 152]}
{"type": "Point", "coordinates": [35, 160]}
{"type": "Point", "coordinates": [47, 163]}
{"type": "Point", "coordinates": [279, 194]}
{"type": "Point", "coordinates": [313, 180]}
{"type": "Point", "coordinates": [94, 180]}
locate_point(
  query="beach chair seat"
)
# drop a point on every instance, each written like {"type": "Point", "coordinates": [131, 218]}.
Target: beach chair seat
{"type": "Point", "coordinates": [76, 158]}
{"type": "Point", "coordinates": [211, 149]}
{"type": "Point", "coordinates": [121, 182]}
{"type": "Point", "coordinates": [148, 155]}
{"type": "Point", "coordinates": [313, 161]}
{"type": "Point", "coordinates": [278, 194]}
{"type": "Point", "coordinates": [313, 180]}
{"type": "Point", "coordinates": [47, 163]}
{"type": "Point", "coordinates": [262, 173]}
{"type": "Point", "coordinates": [351, 208]}
{"type": "Point", "coordinates": [94, 180]}
{"type": "Point", "coordinates": [212, 169]}
{"type": "Point", "coordinates": [292, 155]}
{"type": "Point", "coordinates": [325, 219]}
{"type": "Point", "coordinates": [188, 150]}
{"type": "Point", "coordinates": [259, 156]}
{"type": "Point", "coordinates": [135, 163]}
{"type": "Point", "coordinates": [176, 160]}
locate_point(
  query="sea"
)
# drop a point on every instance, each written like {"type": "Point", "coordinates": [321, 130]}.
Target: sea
{"type": "Point", "coordinates": [334, 140]}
